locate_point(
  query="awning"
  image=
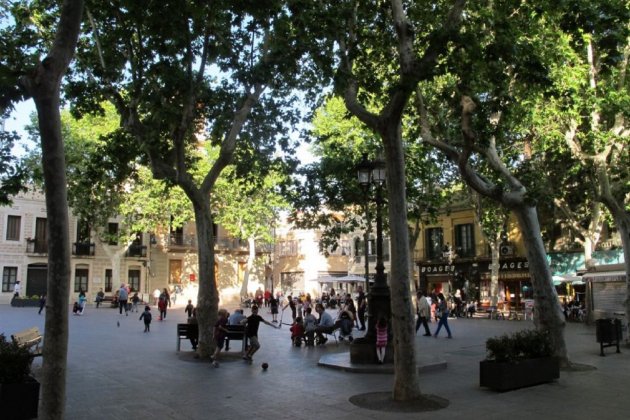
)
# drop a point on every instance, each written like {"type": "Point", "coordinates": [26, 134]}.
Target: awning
{"type": "Point", "coordinates": [605, 276]}
{"type": "Point", "coordinates": [345, 279]}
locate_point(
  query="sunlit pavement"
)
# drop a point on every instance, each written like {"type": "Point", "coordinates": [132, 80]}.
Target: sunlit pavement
{"type": "Point", "coordinates": [119, 372]}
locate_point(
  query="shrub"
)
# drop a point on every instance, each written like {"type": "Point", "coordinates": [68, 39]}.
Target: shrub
{"type": "Point", "coordinates": [526, 344]}
{"type": "Point", "coordinates": [15, 362]}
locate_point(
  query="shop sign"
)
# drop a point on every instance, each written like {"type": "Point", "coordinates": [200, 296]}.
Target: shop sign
{"type": "Point", "coordinates": [436, 269]}
{"type": "Point", "coordinates": [511, 266]}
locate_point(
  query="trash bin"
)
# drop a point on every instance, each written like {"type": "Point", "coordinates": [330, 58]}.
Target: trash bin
{"type": "Point", "coordinates": [608, 333]}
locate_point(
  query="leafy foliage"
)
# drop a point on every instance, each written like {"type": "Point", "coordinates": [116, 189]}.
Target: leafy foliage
{"type": "Point", "coordinates": [13, 175]}
{"type": "Point", "coordinates": [526, 344]}
{"type": "Point", "coordinates": [15, 362]}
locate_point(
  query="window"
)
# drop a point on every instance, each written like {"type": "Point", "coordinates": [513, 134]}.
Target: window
{"type": "Point", "coordinates": [13, 228]}
{"type": "Point", "coordinates": [343, 248]}
{"type": "Point", "coordinates": [83, 232]}
{"type": "Point", "coordinates": [9, 277]}
{"type": "Point", "coordinates": [81, 274]}
{"type": "Point", "coordinates": [108, 280]}
{"type": "Point", "coordinates": [134, 280]}
{"type": "Point", "coordinates": [465, 240]}
{"type": "Point", "coordinates": [41, 246]}
{"type": "Point", "coordinates": [112, 232]}
{"type": "Point", "coordinates": [287, 248]}
{"type": "Point", "coordinates": [434, 243]}
{"type": "Point", "coordinates": [359, 247]}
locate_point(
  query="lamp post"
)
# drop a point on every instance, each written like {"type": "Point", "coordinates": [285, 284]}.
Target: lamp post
{"type": "Point", "coordinates": [364, 173]}
{"type": "Point", "coordinates": [362, 350]}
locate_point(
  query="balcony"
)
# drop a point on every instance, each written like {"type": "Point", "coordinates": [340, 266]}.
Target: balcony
{"type": "Point", "coordinates": [136, 251]}
{"type": "Point", "coordinates": [36, 246]}
{"type": "Point", "coordinates": [83, 249]}
{"type": "Point", "coordinates": [176, 239]}
{"type": "Point", "coordinates": [226, 243]}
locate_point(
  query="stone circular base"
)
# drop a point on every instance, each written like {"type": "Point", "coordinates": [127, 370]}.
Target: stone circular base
{"type": "Point", "coordinates": [382, 401]}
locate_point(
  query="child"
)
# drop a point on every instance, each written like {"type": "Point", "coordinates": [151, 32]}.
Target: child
{"type": "Point", "coordinates": [76, 309]}
{"type": "Point", "coordinates": [273, 304]}
{"type": "Point", "coordinates": [189, 309]}
{"type": "Point", "coordinates": [297, 332]}
{"type": "Point", "coordinates": [251, 331]}
{"type": "Point", "coordinates": [220, 329]}
{"type": "Point", "coordinates": [146, 315]}
{"type": "Point", "coordinates": [381, 339]}
{"type": "Point", "coordinates": [134, 300]}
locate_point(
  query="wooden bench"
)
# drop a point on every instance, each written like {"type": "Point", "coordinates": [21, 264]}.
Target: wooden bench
{"type": "Point", "coordinates": [191, 331]}
{"type": "Point", "coordinates": [31, 339]}
{"type": "Point", "coordinates": [236, 332]}
{"type": "Point", "coordinates": [186, 332]}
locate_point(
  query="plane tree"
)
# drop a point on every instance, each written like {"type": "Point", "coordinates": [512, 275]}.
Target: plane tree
{"type": "Point", "coordinates": [377, 53]}
{"type": "Point", "coordinates": [38, 45]}
{"type": "Point", "coordinates": [184, 73]}
{"type": "Point", "coordinates": [585, 112]}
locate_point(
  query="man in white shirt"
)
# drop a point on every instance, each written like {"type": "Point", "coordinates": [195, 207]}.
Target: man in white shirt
{"type": "Point", "coordinates": [424, 312]}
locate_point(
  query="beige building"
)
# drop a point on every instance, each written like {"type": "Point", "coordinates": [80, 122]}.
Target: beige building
{"type": "Point", "coordinates": [300, 267]}
{"type": "Point", "coordinates": [167, 258]}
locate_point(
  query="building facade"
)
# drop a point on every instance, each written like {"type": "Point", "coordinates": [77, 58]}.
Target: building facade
{"type": "Point", "coordinates": [165, 258]}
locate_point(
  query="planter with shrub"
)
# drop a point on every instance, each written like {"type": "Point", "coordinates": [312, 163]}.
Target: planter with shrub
{"type": "Point", "coordinates": [22, 301]}
{"type": "Point", "coordinates": [522, 359]}
{"type": "Point", "coordinates": [19, 391]}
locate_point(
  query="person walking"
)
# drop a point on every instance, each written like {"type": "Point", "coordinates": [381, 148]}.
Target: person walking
{"type": "Point", "coordinates": [442, 309]}
{"type": "Point", "coordinates": [189, 309]}
{"type": "Point", "coordinates": [361, 306]}
{"type": "Point", "coordinates": [381, 339]}
{"type": "Point", "coordinates": [82, 300]}
{"type": "Point", "coordinates": [100, 295]}
{"type": "Point", "coordinates": [17, 288]}
{"type": "Point", "coordinates": [146, 316]}
{"type": "Point", "coordinates": [123, 295]}
{"type": "Point", "coordinates": [135, 299]}
{"type": "Point", "coordinates": [251, 331]}
{"type": "Point", "coordinates": [424, 312]}
{"type": "Point", "coordinates": [162, 305]}
{"type": "Point", "coordinates": [219, 333]}
{"type": "Point", "coordinates": [42, 304]}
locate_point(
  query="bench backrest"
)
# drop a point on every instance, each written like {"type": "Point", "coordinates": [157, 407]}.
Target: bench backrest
{"type": "Point", "coordinates": [235, 328]}
{"type": "Point", "coordinates": [186, 330]}
{"type": "Point", "coordinates": [29, 336]}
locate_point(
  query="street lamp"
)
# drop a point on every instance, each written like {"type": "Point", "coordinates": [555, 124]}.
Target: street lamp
{"type": "Point", "coordinates": [364, 173]}
{"type": "Point", "coordinates": [373, 173]}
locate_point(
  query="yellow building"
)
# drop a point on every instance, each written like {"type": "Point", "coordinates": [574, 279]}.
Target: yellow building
{"type": "Point", "coordinates": [452, 254]}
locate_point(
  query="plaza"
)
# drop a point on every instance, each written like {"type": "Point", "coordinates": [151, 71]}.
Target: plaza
{"type": "Point", "coordinates": [119, 372]}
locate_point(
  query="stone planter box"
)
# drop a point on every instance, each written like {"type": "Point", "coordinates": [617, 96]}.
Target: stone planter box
{"type": "Point", "coordinates": [23, 303]}
{"type": "Point", "coordinates": [19, 401]}
{"type": "Point", "coordinates": [506, 376]}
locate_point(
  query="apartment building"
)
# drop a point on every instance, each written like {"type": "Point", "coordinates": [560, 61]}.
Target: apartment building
{"type": "Point", "coordinates": [152, 260]}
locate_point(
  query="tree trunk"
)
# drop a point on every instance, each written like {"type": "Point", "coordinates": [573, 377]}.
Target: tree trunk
{"type": "Point", "coordinates": [251, 247]}
{"type": "Point", "coordinates": [207, 299]}
{"type": "Point", "coordinates": [548, 314]}
{"type": "Point", "coordinates": [43, 84]}
{"type": "Point", "coordinates": [406, 384]}
{"type": "Point", "coordinates": [495, 245]}
{"type": "Point", "coordinates": [622, 222]}
{"type": "Point", "coordinates": [55, 350]}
